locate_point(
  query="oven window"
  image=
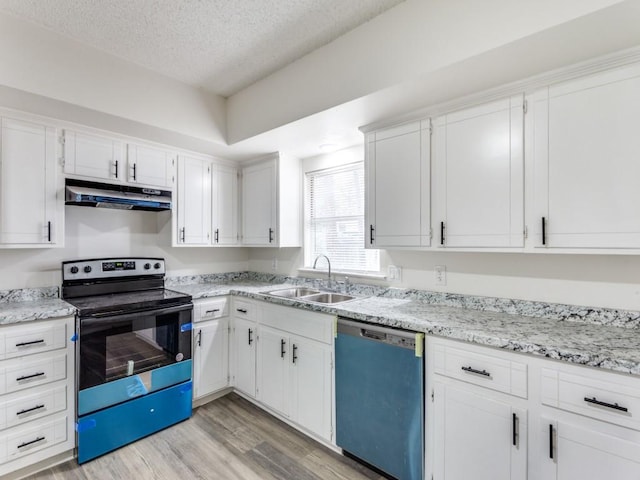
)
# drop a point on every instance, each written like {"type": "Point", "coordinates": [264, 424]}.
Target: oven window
{"type": "Point", "coordinates": [112, 348]}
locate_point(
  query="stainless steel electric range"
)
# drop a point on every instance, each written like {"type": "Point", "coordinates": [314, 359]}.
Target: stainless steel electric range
{"type": "Point", "coordinates": [133, 351]}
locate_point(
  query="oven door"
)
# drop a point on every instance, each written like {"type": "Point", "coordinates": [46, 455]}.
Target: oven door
{"type": "Point", "coordinates": [126, 355]}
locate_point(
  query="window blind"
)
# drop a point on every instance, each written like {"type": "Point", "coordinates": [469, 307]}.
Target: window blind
{"type": "Point", "coordinates": [334, 207]}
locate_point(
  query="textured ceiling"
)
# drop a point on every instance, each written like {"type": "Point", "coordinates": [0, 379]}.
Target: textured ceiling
{"type": "Point", "coordinates": [219, 45]}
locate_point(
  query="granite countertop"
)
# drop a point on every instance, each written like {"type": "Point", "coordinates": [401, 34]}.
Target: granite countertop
{"type": "Point", "coordinates": [604, 346]}
{"type": "Point", "coordinates": [573, 338]}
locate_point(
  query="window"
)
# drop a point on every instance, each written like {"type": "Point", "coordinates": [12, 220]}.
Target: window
{"type": "Point", "coordinates": [334, 219]}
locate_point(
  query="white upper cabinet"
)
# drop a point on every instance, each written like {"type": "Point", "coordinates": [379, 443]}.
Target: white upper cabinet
{"type": "Point", "coordinates": [271, 203]}
{"type": "Point", "coordinates": [478, 178]}
{"type": "Point", "coordinates": [586, 152]}
{"type": "Point", "coordinates": [150, 166]}
{"type": "Point", "coordinates": [193, 223]}
{"type": "Point", "coordinates": [225, 205]}
{"type": "Point", "coordinates": [31, 214]}
{"type": "Point", "coordinates": [398, 189]}
{"type": "Point", "coordinates": [88, 155]}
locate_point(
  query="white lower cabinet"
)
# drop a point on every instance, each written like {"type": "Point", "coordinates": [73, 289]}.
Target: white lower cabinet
{"type": "Point", "coordinates": [477, 437]}
{"type": "Point", "coordinates": [243, 348]}
{"type": "Point", "coordinates": [210, 347]}
{"type": "Point", "coordinates": [37, 395]}
{"type": "Point", "coordinates": [273, 366]}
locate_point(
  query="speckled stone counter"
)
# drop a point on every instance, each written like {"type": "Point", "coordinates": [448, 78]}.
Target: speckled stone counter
{"type": "Point", "coordinates": [28, 304]}
{"type": "Point", "coordinates": [570, 338]}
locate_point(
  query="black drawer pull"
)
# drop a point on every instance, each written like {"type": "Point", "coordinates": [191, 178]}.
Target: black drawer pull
{"type": "Point", "coordinates": [26, 377]}
{"type": "Point", "coordinates": [27, 410]}
{"type": "Point", "coordinates": [514, 427]}
{"type": "Point", "coordinates": [484, 373]}
{"type": "Point", "coordinates": [282, 350]}
{"type": "Point", "coordinates": [371, 230]}
{"type": "Point", "coordinates": [212, 311]}
{"type": "Point", "coordinates": [250, 332]}
{"type": "Point", "coordinates": [241, 310]}
{"type": "Point", "coordinates": [26, 444]}
{"type": "Point", "coordinates": [294, 357]}
{"type": "Point", "coordinates": [441, 233]}
{"type": "Point", "coordinates": [551, 441]}
{"type": "Point", "coordinates": [24, 344]}
{"type": "Point", "coordinates": [544, 231]}
{"type": "Point", "coordinates": [614, 406]}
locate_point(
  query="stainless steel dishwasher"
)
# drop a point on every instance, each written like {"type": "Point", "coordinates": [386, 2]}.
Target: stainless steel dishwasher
{"type": "Point", "coordinates": [380, 397]}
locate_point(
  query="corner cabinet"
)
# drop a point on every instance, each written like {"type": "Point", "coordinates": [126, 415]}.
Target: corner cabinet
{"type": "Point", "coordinates": [397, 166]}
{"type": "Point", "coordinates": [478, 188]}
{"type": "Point", "coordinates": [31, 201]}
{"type": "Point", "coordinates": [585, 151]}
{"type": "Point", "coordinates": [271, 202]}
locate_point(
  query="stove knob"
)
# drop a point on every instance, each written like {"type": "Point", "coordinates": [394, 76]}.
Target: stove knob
{"type": "Point", "coordinates": [73, 269]}
{"type": "Point", "coordinates": [147, 266]}
{"type": "Point", "coordinates": [157, 266]}
{"type": "Point", "coordinates": [87, 269]}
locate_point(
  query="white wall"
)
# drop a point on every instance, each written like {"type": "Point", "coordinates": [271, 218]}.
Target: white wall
{"type": "Point", "coordinates": [415, 38]}
{"type": "Point", "coordinates": [97, 232]}
{"type": "Point", "coordinates": [42, 62]}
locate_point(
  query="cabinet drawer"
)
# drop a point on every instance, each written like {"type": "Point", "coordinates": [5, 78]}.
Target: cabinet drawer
{"type": "Point", "coordinates": [34, 339]}
{"type": "Point", "coordinates": [29, 439]}
{"type": "Point", "coordinates": [210, 309]}
{"type": "Point", "coordinates": [245, 309]}
{"type": "Point", "coordinates": [19, 374]}
{"type": "Point", "coordinates": [25, 406]}
{"type": "Point", "coordinates": [599, 398]}
{"type": "Point", "coordinates": [313, 325]}
{"type": "Point", "coordinates": [481, 369]}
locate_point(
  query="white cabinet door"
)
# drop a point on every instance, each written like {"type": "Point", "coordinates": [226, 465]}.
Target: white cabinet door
{"type": "Point", "coordinates": [273, 367]}
{"type": "Point", "coordinates": [101, 158]}
{"type": "Point", "coordinates": [586, 149]}
{"type": "Point", "coordinates": [244, 355]}
{"type": "Point", "coordinates": [311, 391]}
{"type": "Point", "coordinates": [29, 211]}
{"type": "Point", "coordinates": [225, 205]}
{"type": "Point", "coordinates": [474, 436]}
{"type": "Point", "coordinates": [398, 189]}
{"type": "Point", "coordinates": [259, 200]}
{"type": "Point", "coordinates": [571, 452]}
{"type": "Point", "coordinates": [150, 166]}
{"type": "Point", "coordinates": [210, 357]}
{"type": "Point", "coordinates": [479, 176]}
{"type": "Point", "coordinates": [194, 201]}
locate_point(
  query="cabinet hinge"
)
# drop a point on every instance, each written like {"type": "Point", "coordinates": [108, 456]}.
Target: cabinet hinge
{"type": "Point", "coordinates": [228, 378]}
{"type": "Point", "coordinates": [430, 233]}
{"type": "Point", "coordinates": [526, 231]}
{"type": "Point", "coordinates": [430, 127]}
{"type": "Point", "coordinates": [433, 394]}
{"type": "Point", "coordinates": [525, 107]}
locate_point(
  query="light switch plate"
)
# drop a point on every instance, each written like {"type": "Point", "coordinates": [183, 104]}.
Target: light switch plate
{"type": "Point", "coordinates": [394, 273]}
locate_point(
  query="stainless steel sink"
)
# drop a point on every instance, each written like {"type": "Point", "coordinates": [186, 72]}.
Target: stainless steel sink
{"type": "Point", "coordinates": [328, 298]}
{"type": "Point", "coordinates": [295, 292]}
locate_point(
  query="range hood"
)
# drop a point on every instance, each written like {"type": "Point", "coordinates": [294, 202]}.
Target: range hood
{"type": "Point", "coordinates": [123, 197]}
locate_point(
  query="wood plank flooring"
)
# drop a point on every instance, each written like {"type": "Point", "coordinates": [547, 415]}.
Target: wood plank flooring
{"type": "Point", "coordinates": [227, 439]}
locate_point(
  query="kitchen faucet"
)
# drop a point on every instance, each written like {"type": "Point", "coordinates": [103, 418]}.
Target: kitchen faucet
{"type": "Point", "coordinates": [329, 271]}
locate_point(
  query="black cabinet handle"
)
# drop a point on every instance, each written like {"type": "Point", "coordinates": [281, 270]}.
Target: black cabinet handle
{"type": "Point", "coordinates": [212, 311]}
{"type": "Point", "coordinates": [216, 235]}
{"type": "Point", "coordinates": [271, 235]}
{"type": "Point", "coordinates": [27, 377]}
{"type": "Point", "coordinates": [544, 231]}
{"type": "Point", "coordinates": [26, 444]}
{"type": "Point", "coordinates": [551, 441]}
{"type": "Point", "coordinates": [250, 335]}
{"type": "Point", "coordinates": [182, 234]}
{"type": "Point", "coordinates": [371, 230]}
{"type": "Point", "coordinates": [24, 344]}
{"type": "Point", "coordinates": [134, 172]}
{"type": "Point", "coordinates": [241, 310]}
{"type": "Point", "coordinates": [614, 406]}
{"type": "Point", "coordinates": [199, 338]}
{"type": "Point", "coordinates": [514, 427]}
{"type": "Point", "coordinates": [441, 233]}
{"type": "Point", "coordinates": [282, 350]}
{"type": "Point", "coordinates": [477, 372]}
{"type": "Point", "coordinates": [27, 410]}
{"type": "Point", "coordinates": [48, 231]}
{"type": "Point", "coordinates": [294, 355]}
{"type": "Point", "coordinates": [116, 168]}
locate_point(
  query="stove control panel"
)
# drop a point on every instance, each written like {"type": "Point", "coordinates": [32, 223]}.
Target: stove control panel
{"type": "Point", "coordinates": [112, 268]}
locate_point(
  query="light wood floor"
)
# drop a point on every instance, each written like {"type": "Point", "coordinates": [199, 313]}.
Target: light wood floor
{"type": "Point", "coordinates": [226, 439]}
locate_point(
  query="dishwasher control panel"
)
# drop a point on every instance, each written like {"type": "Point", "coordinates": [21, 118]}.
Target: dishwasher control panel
{"type": "Point", "coordinates": [396, 340]}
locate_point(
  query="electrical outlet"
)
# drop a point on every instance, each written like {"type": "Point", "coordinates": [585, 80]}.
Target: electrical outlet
{"type": "Point", "coordinates": [274, 263]}
{"type": "Point", "coordinates": [440, 275]}
{"type": "Point", "coordinates": [394, 273]}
